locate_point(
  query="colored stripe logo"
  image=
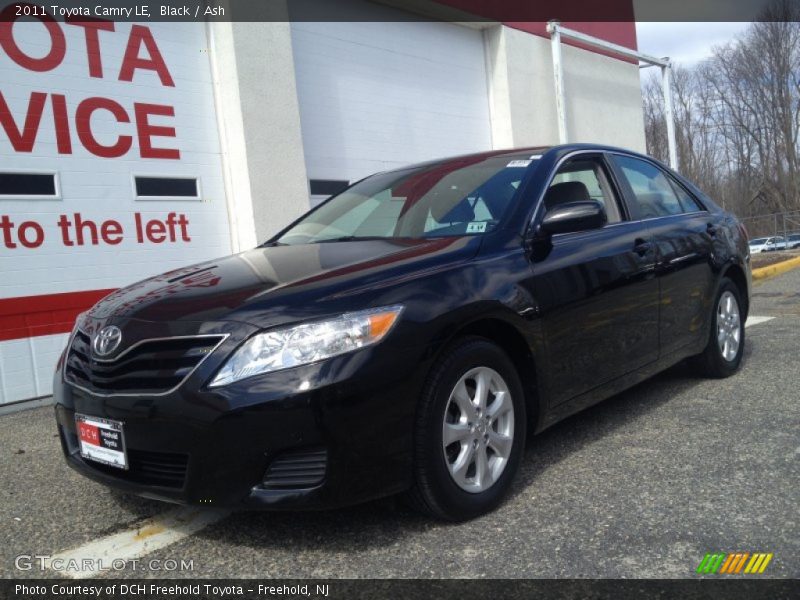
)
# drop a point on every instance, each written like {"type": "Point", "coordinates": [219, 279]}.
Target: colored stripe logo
{"type": "Point", "coordinates": [734, 563]}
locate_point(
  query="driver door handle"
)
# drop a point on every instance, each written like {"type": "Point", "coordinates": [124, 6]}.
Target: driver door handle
{"type": "Point", "coordinates": [641, 246]}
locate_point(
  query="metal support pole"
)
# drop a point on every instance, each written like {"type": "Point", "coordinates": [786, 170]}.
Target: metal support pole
{"type": "Point", "coordinates": [557, 32]}
{"type": "Point", "coordinates": [558, 76]}
{"type": "Point", "coordinates": [666, 84]}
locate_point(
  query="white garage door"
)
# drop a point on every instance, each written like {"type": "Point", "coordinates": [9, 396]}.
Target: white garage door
{"type": "Point", "coordinates": [379, 95]}
{"type": "Point", "coordinates": [110, 171]}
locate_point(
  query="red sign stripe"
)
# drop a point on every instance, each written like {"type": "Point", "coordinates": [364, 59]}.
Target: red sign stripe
{"type": "Point", "coordinates": [31, 316]}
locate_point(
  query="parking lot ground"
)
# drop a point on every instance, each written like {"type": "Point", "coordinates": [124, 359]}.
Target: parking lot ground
{"type": "Point", "coordinates": [642, 485]}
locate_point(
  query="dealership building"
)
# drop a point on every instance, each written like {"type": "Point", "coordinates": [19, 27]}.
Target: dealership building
{"type": "Point", "coordinates": [130, 149]}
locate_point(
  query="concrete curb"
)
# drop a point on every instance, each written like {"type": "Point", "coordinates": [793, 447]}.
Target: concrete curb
{"type": "Point", "coordinates": [776, 269]}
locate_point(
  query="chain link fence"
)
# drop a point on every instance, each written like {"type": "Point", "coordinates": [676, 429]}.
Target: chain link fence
{"type": "Point", "coordinates": [783, 225]}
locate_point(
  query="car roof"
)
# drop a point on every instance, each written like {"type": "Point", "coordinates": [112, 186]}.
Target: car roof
{"type": "Point", "coordinates": [533, 150]}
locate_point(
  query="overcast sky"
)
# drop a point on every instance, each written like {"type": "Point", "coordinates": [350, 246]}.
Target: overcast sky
{"type": "Point", "coordinates": [685, 43]}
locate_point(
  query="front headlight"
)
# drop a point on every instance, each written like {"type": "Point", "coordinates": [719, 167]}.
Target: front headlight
{"type": "Point", "coordinates": [307, 343]}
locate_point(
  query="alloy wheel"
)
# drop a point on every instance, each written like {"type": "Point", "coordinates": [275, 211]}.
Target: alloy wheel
{"type": "Point", "coordinates": [478, 429]}
{"type": "Point", "coordinates": [729, 326]}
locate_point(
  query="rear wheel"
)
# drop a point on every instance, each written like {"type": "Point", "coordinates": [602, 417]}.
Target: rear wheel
{"type": "Point", "coordinates": [470, 432]}
{"type": "Point", "coordinates": [723, 353]}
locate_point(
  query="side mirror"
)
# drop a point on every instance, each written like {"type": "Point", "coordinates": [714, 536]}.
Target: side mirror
{"type": "Point", "coordinates": [574, 216]}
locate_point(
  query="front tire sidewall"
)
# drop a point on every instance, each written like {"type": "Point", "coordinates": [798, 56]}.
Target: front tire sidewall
{"type": "Point", "coordinates": [444, 496]}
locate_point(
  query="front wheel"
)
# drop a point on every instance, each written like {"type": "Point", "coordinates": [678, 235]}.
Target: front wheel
{"type": "Point", "coordinates": [723, 353]}
{"type": "Point", "coordinates": [470, 432]}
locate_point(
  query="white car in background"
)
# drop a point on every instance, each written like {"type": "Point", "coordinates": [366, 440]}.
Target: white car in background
{"type": "Point", "coordinates": [767, 244]}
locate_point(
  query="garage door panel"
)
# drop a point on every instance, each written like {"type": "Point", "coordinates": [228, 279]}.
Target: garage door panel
{"type": "Point", "coordinates": [384, 94]}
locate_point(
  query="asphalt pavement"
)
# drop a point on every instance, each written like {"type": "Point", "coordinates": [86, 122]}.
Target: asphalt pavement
{"type": "Point", "coordinates": [642, 485]}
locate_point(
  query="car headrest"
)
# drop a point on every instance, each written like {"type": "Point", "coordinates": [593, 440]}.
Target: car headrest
{"type": "Point", "coordinates": [568, 191]}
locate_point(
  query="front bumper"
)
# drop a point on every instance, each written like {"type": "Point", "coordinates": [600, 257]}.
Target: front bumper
{"type": "Point", "coordinates": [353, 414]}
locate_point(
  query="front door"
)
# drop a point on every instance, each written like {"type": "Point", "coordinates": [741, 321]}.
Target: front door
{"type": "Point", "coordinates": [596, 290]}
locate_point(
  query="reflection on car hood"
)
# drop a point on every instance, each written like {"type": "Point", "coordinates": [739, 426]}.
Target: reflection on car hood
{"type": "Point", "coordinates": [242, 286]}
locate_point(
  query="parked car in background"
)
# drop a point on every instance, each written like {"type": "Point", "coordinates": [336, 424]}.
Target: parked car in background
{"type": "Point", "coordinates": [767, 244]}
{"type": "Point", "coordinates": [777, 243]}
{"type": "Point", "coordinates": [757, 245]}
{"type": "Point", "coordinates": [406, 335]}
{"type": "Point", "coordinates": [793, 241]}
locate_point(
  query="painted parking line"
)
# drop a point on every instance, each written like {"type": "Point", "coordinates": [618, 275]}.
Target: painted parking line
{"type": "Point", "coordinates": [142, 538]}
{"type": "Point", "coordinates": [757, 320]}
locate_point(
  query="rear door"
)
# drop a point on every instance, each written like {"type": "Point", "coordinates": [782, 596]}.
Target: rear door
{"type": "Point", "coordinates": [684, 235]}
{"type": "Point", "coordinates": [596, 289]}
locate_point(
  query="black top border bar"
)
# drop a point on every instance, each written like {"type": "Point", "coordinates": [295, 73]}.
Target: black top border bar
{"type": "Point", "coordinates": [476, 11]}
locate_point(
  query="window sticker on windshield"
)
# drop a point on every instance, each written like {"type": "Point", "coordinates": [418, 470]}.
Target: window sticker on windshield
{"type": "Point", "coordinates": [476, 227]}
{"type": "Point", "coordinates": [518, 163]}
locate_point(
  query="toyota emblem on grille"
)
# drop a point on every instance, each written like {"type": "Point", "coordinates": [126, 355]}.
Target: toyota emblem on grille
{"type": "Point", "coordinates": [107, 340]}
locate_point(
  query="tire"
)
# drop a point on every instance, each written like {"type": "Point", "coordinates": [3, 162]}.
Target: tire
{"type": "Point", "coordinates": [718, 360]}
{"type": "Point", "coordinates": [453, 482]}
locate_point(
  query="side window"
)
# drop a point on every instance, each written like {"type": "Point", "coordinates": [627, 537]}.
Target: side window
{"type": "Point", "coordinates": [689, 203]}
{"type": "Point", "coordinates": [583, 179]}
{"type": "Point", "coordinates": [654, 194]}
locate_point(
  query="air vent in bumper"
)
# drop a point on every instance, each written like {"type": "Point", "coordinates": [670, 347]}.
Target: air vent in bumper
{"type": "Point", "coordinates": [159, 468]}
{"type": "Point", "coordinates": [299, 469]}
{"type": "Point", "coordinates": [148, 468]}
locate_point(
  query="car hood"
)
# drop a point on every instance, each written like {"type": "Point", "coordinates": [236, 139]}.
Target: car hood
{"type": "Point", "coordinates": [267, 285]}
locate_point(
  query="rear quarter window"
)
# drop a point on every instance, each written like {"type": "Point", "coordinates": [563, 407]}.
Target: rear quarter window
{"type": "Point", "coordinates": [655, 193]}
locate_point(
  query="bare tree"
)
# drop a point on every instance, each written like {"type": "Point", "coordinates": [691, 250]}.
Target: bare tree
{"type": "Point", "coordinates": [737, 116]}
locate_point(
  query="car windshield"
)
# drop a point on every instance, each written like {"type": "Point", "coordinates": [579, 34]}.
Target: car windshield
{"type": "Point", "coordinates": [757, 241]}
{"type": "Point", "coordinates": [465, 196]}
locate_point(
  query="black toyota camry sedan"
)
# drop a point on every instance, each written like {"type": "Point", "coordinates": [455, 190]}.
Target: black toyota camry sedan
{"type": "Point", "coordinates": [406, 335]}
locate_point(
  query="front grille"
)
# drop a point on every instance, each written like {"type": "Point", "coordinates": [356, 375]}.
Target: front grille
{"type": "Point", "coordinates": [297, 470]}
{"type": "Point", "coordinates": [149, 468]}
{"type": "Point", "coordinates": [150, 367]}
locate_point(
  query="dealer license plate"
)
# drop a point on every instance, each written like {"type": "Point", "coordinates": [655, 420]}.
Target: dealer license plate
{"type": "Point", "coordinates": [101, 440]}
